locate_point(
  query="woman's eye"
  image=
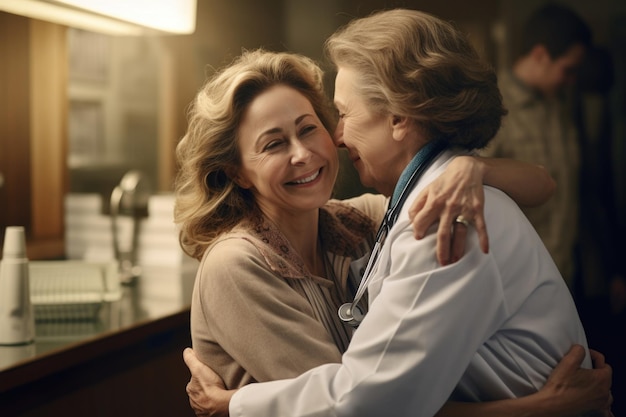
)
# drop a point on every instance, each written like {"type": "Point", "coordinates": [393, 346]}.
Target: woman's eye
{"type": "Point", "coordinates": [272, 145]}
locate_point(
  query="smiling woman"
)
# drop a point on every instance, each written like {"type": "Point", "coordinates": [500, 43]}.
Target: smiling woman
{"type": "Point", "coordinates": [258, 166]}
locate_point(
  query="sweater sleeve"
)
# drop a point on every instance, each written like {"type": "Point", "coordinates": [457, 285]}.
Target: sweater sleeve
{"type": "Point", "coordinates": [373, 205]}
{"type": "Point", "coordinates": [246, 313]}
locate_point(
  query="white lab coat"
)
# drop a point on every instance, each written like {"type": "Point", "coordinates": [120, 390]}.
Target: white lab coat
{"type": "Point", "coordinates": [489, 326]}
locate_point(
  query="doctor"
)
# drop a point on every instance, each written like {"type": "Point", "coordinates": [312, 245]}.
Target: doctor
{"type": "Point", "coordinates": [412, 94]}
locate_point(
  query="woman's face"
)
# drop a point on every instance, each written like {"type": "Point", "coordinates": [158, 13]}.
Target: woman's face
{"type": "Point", "coordinates": [366, 135]}
{"type": "Point", "coordinates": [288, 158]}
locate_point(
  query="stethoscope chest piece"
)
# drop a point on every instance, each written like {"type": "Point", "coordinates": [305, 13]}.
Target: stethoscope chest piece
{"type": "Point", "coordinates": [351, 314]}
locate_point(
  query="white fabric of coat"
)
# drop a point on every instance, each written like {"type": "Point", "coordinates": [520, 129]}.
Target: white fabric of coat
{"type": "Point", "coordinates": [489, 326]}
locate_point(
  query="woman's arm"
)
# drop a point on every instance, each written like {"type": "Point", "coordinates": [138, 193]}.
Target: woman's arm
{"type": "Point", "coordinates": [528, 184]}
{"type": "Point", "coordinates": [458, 191]}
{"type": "Point", "coordinates": [570, 391]}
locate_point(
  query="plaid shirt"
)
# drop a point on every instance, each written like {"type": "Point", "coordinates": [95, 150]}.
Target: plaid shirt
{"type": "Point", "coordinates": [543, 131]}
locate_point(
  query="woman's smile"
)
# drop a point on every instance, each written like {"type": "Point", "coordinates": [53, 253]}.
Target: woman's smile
{"type": "Point", "coordinates": [307, 180]}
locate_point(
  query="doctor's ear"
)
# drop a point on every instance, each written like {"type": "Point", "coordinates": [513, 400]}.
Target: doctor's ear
{"type": "Point", "coordinates": [400, 126]}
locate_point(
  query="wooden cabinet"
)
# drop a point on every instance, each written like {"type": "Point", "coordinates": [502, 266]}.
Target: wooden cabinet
{"type": "Point", "coordinates": [33, 131]}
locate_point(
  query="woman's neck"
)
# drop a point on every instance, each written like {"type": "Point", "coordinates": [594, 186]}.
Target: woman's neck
{"type": "Point", "coordinates": [302, 231]}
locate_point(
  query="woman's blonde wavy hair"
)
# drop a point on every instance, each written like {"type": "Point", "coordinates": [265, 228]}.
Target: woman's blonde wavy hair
{"type": "Point", "coordinates": [208, 202]}
{"type": "Point", "coordinates": [412, 64]}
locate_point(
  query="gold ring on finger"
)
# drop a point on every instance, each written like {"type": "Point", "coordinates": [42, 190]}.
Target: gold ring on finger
{"type": "Point", "coordinates": [462, 220]}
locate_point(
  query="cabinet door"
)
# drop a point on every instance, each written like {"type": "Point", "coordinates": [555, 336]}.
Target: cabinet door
{"type": "Point", "coordinates": [14, 122]}
{"type": "Point", "coordinates": [33, 131]}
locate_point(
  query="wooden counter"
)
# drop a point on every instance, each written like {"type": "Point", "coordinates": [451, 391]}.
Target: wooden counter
{"type": "Point", "coordinates": [126, 363]}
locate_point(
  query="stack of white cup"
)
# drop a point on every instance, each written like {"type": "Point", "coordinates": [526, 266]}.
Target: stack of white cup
{"type": "Point", "coordinates": [17, 319]}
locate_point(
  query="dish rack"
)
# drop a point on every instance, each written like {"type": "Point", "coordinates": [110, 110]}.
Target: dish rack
{"type": "Point", "coordinates": [72, 290]}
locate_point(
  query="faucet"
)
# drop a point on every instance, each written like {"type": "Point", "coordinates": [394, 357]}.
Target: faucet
{"type": "Point", "coordinates": [130, 196]}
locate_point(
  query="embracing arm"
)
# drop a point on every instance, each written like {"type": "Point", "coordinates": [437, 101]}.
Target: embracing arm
{"type": "Point", "coordinates": [528, 184]}
{"type": "Point", "coordinates": [459, 192]}
{"type": "Point", "coordinates": [569, 391]}
{"type": "Point", "coordinates": [207, 394]}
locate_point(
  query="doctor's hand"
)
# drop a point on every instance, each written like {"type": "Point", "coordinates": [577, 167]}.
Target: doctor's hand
{"type": "Point", "coordinates": [456, 200]}
{"type": "Point", "coordinates": [207, 394]}
{"type": "Point", "coordinates": [577, 391]}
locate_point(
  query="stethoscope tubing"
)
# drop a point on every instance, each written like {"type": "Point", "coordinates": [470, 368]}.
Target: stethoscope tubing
{"type": "Point", "coordinates": [351, 313]}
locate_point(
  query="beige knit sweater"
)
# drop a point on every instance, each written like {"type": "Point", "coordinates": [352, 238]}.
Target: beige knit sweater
{"type": "Point", "coordinates": [258, 314]}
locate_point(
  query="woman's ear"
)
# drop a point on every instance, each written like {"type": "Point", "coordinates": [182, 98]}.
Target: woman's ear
{"type": "Point", "coordinates": [242, 183]}
{"type": "Point", "coordinates": [238, 179]}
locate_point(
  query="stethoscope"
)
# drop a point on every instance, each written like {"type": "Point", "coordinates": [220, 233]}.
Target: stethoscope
{"type": "Point", "coordinates": [352, 313]}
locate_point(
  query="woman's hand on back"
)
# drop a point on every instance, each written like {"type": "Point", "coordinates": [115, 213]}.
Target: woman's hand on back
{"type": "Point", "coordinates": [456, 200]}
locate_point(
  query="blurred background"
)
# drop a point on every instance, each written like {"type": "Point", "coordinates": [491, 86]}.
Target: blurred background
{"type": "Point", "coordinates": [80, 107]}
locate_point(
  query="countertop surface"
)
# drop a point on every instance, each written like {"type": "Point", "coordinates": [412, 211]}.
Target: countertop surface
{"type": "Point", "coordinates": [159, 300]}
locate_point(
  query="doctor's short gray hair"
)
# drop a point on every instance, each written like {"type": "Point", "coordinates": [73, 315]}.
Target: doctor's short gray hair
{"type": "Point", "coordinates": [412, 64]}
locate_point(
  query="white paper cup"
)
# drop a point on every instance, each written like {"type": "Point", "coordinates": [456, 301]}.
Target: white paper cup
{"type": "Point", "coordinates": [14, 243]}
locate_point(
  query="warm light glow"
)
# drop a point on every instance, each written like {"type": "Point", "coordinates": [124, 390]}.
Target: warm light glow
{"type": "Point", "coordinates": [117, 17]}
